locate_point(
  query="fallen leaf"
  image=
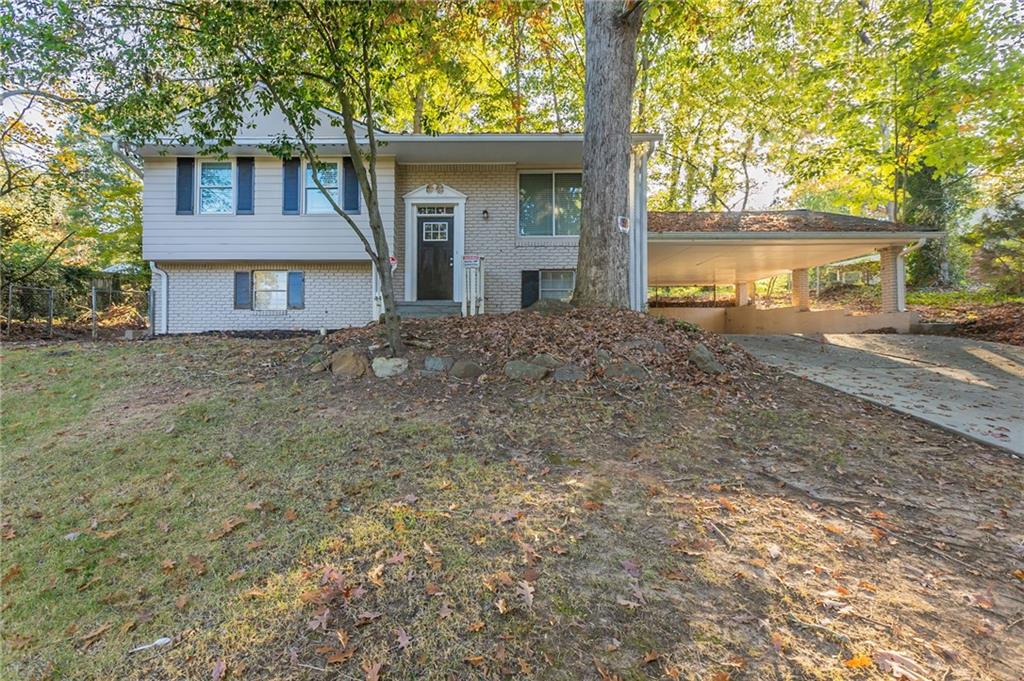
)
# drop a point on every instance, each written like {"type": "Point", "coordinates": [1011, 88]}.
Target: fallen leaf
{"type": "Point", "coordinates": [858, 661]}
{"type": "Point", "coordinates": [591, 505]}
{"type": "Point", "coordinates": [236, 575]}
{"type": "Point", "coordinates": [291, 514]}
{"type": "Point", "coordinates": [403, 638]}
{"type": "Point", "coordinates": [18, 642]}
{"type": "Point", "coordinates": [651, 656]}
{"type": "Point", "coordinates": [319, 620]}
{"type": "Point", "coordinates": [475, 626]}
{"type": "Point", "coordinates": [226, 528]}
{"type": "Point", "coordinates": [95, 634]}
{"type": "Point", "coordinates": [372, 670]}
{"type": "Point", "coordinates": [445, 612]}
{"type": "Point", "coordinates": [219, 667]}
{"type": "Point", "coordinates": [525, 591]}
{"type": "Point", "coordinates": [899, 665]}
{"type": "Point", "coordinates": [197, 565]}
{"type": "Point", "coordinates": [181, 602]}
{"type": "Point", "coordinates": [366, 617]}
{"type": "Point", "coordinates": [474, 660]}
{"type": "Point", "coordinates": [727, 505]}
{"type": "Point", "coordinates": [11, 573]}
{"type": "Point", "coordinates": [168, 565]}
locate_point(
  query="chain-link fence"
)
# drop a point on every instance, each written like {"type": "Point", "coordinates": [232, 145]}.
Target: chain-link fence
{"type": "Point", "coordinates": [105, 309]}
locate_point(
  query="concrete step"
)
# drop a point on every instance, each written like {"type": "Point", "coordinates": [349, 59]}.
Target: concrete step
{"type": "Point", "coordinates": [424, 309]}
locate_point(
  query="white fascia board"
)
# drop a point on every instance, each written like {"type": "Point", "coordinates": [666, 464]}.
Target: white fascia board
{"type": "Point", "coordinates": [761, 237]}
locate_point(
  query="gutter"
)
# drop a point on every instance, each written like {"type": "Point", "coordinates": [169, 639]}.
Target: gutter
{"type": "Point", "coordinates": [160, 324]}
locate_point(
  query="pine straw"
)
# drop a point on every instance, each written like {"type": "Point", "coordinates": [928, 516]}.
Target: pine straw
{"type": "Point", "coordinates": [574, 335]}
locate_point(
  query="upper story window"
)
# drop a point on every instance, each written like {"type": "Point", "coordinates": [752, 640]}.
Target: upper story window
{"type": "Point", "coordinates": [339, 179]}
{"type": "Point", "coordinates": [216, 195]}
{"type": "Point", "coordinates": [550, 204]}
{"type": "Point", "coordinates": [316, 202]}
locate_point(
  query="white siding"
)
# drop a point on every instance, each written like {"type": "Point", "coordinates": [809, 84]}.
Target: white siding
{"type": "Point", "coordinates": [266, 235]}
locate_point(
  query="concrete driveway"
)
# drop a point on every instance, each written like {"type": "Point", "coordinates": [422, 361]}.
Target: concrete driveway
{"type": "Point", "coordinates": [972, 387]}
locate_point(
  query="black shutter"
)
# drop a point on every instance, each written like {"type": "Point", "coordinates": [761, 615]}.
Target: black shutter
{"type": "Point", "coordinates": [292, 169]}
{"type": "Point", "coordinates": [531, 287]}
{"type": "Point", "coordinates": [245, 185]}
{"type": "Point", "coordinates": [243, 290]}
{"type": "Point", "coordinates": [350, 195]}
{"type": "Point", "coordinates": [296, 290]}
{"type": "Point", "coordinates": [185, 184]}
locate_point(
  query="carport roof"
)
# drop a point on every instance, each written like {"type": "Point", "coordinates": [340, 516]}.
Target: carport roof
{"type": "Point", "coordinates": [800, 221]}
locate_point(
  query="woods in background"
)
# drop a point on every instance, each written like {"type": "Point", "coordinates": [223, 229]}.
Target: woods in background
{"type": "Point", "coordinates": [888, 108]}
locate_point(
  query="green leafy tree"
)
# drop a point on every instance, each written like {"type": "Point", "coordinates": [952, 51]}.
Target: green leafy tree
{"type": "Point", "coordinates": [999, 243]}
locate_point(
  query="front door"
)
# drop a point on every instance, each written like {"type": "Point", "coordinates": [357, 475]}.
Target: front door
{"type": "Point", "coordinates": [435, 247]}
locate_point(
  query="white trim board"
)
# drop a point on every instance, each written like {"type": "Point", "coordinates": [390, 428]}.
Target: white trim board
{"type": "Point", "coordinates": [442, 196]}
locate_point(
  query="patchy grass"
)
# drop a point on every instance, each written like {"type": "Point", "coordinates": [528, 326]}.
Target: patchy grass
{"type": "Point", "coordinates": [455, 530]}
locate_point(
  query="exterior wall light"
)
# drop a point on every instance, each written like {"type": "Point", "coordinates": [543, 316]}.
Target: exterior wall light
{"type": "Point", "coordinates": [487, 215]}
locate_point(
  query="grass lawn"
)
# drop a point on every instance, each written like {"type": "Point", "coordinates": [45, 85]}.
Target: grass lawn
{"type": "Point", "coordinates": [275, 523]}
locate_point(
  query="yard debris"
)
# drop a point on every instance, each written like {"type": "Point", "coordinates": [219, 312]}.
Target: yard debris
{"type": "Point", "coordinates": [899, 665]}
{"type": "Point", "coordinates": [155, 644]}
{"type": "Point", "coordinates": [619, 344]}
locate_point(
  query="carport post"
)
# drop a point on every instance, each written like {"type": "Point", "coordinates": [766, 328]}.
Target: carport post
{"type": "Point", "coordinates": [801, 294]}
{"type": "Point", "coordinates": [742, 293]}
{"type": "Point", "coordinates": [891, 274]}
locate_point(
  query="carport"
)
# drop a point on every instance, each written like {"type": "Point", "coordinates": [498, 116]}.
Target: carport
{"type": "Point", "coordinates": [740, 248]}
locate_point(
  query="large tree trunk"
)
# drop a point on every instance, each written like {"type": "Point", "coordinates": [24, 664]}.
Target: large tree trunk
{"type": "Point", "coordinates": [602, 276]}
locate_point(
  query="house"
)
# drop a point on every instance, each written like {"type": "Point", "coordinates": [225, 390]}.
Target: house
{"type": "Point", "coordinates": [247, 241]}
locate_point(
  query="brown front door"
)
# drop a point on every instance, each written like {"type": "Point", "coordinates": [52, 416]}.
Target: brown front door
{"type": "Point", "coordinates": [435, 247]}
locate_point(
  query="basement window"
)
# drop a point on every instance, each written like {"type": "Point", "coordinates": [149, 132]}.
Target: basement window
{"type": "Point", "coordinates": [557, 284]}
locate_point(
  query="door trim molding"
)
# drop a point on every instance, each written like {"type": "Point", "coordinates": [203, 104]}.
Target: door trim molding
{"type": "Point", "coordinates": [434, 195]}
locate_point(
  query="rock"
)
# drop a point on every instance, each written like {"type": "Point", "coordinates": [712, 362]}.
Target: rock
{"type": "Point", "coordinates": [546, 360]}
{"type": "Point", "coordinates": [349, 363]}
{"type": "Point", "coordinates": [703, 359]}
{"type": "Point", "coordinates": [388, 367]}
{"type": "Point", "coordinates": [624, 371]}
{"type": "Point", "coordinates": [550, 306]}
{"type": "Point", "coordinates": [570, 373]}
{"type": "Point", "coordinates": [318, 367]}
{"type": "Point", "coordinates": [603, 357]}
{"type": "Point", "coordinates": [465, 368]}
{"type": "Point", "coordinates": [525, 371]}
{"type": "Point", "coordinates": [314, 354]}
{"type": "Point", "coordinates": [434, 363]}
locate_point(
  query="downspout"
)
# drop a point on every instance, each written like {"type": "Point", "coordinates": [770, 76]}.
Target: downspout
{"type": "Point", "coordinates": [901, 273]}
{"type": "Point", "coordinates": [160, 322]}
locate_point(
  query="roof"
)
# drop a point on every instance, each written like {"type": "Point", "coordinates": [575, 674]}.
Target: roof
{"type": "Point", "coordinates": [768, 221]}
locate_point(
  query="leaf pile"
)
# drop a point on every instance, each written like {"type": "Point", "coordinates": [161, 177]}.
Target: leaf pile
{"type": "Point", "coordinates": [661, 346]}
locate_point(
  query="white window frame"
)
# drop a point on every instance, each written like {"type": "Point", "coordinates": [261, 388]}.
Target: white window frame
{"type": "Point", "coordinates": [253, 285]}
{"type": "Point", "coordinates": [337, 194]}
{"type": "Point", "coordinates": [540, 282]}
{"type": "Point", "coordinates": [552, 172]}
{"type": "Point", "coordinates": [199, 185]}
{"type": "Point", "coordinates": [433, 234]}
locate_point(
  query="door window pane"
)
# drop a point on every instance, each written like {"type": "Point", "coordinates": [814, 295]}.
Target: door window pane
{"type": "Point", "coordinates": [535, 203]}
{"type": "Point", "coordinates": [215, 192]}
{"type": "Point", "coordinates": [568, 203]}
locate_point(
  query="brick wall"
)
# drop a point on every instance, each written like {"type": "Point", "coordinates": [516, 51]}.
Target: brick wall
{"type": "Point", "coordinates": [494, 188]}
{"type": "Point", "coordinates": [201, 297]}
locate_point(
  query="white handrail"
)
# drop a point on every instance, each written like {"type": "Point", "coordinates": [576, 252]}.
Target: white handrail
{"type": "Point", "coordinates": [473, 290]}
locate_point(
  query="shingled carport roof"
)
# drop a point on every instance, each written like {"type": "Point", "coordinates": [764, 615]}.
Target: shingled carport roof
{"type": "Point", "coordinates": [766, 221]}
